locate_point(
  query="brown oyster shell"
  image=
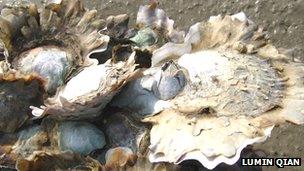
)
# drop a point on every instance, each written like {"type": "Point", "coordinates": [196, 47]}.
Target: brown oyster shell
{"type": "Point", "coordinates": [68, 26]}
{"type": "Point", "coordinates": [120, 157]}
{"type": "Point", "coordinates": [18, 92]}
{"type": "Point", "coordinates": [62, 161]}
{"type": "Point", "coordinates": [76, 31]}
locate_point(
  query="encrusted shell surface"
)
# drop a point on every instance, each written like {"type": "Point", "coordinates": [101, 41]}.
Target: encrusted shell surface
{"type": "Point", "coordinates": [53, 138]}
{"type": "Point", "coordinates": [85, 101]}
{"type": "Point", "coordinates": [150, 16]}
{"type": "Point", "coordinates": [56, 42]}
{"type": "Point", "coordinates": [125, 130]}
{"type": "Point", "coordinates": [238, 87]}
{"type": "Point", "coordinates": [206, 97]}
{"type": "Point", "coordinates": [68, 27]}
{"type": "Point", "coordinates": [17, 94]}
{"type": "Point", "coordinates": [151, 92]}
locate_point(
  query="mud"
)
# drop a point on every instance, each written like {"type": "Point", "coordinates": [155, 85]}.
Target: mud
{"type": "Point", "coordinates": [282, 18]}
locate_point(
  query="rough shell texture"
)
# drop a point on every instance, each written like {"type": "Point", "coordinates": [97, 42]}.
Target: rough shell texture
{"type": "Point", "coordinates": [176, 137]}
{"type": "Point", "coordinates": [230, 83]}
{"type": "Point", "coordinates": [239, 86]}
{"type": "Point", "coordinates": [69, 26]}
{"type": "Point", "coordinates": [155, 18]}
{"type": "Point", "coordinates": [86, 101]}
{"type": "Point", "coordinates": [61, 161]}
{"type": "Point", "coordinates": [53, 139]}
{"type": "Point", "coordinates": [56, 42]}
{"type": "Point", "coordinates": [124, 130]}
{"type": "Point", "coordinates": [17, 94]}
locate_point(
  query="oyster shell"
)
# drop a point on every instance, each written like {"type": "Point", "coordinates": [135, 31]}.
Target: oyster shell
{"type": "Point", "coordinates": [65, 161]}
{"type": "Point", "coordinates": [86, 101]}
{"type": "Point", "coordinates": [120, 157]}
{"type": "Point", "coordinates": [53, 139]}
{"type": "Point", "coordinates": [124, 130]}
{"type": "Point", "coordinates": [56, 42]}
{"type": "Point", "coordinates": [207, 96]}
{"type": "Point", "coordinates": [235, 92]}
{"type": "Point", "coordinates": [79, 137]}
{"type": "Point", "coordinates": [151, 91]}
{"type": "Point", "coordinates": [155, 18]}
{"type": "Point", "coordinates": [17, 94]}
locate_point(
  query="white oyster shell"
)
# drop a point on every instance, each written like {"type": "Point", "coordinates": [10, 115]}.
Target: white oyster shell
{"type": "Point", "coordinates": [150, 16]}
{"type": "Point", "coordinates": [210, 140]}
{"type": "Point", "coordinates": [87, 93]}
{"type": "Point", "coordinates": [239, 87]}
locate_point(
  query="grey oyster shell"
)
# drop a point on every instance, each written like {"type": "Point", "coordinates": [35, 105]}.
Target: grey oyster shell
{"type": "Point", "coordinates": [53, 138]}
{"type": "Point", "coordinates": [54, 70]}
{"type": "Point", "coordinates": [80, 137]}
{"type": "Point", "coordinates": [125, 130]}
{"type": "Point", "coordinates": [151, 92]}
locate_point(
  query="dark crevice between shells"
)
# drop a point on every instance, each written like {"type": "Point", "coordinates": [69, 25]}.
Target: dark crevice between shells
{"type": "Point", "coordinates": [120, 50]}
{"type": "Point", "coordinates": [122, 129]}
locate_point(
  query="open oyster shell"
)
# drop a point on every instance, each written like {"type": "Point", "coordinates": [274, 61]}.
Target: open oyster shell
{"type": "Point", "coordinates": [237, 87]}
{"type": "Point", "coordinates": [55, 43]}
{"type": "Point", "coordinates": [85, 101]}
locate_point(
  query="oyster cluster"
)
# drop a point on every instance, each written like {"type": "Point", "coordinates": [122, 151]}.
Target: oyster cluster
{"type": "Point", "coordinates": [82, 92]}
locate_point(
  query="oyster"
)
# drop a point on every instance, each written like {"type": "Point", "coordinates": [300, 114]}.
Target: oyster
{"type": "Point", "coordinates": [85, 101]}
{"type": "Point", "coordinates": [79, 137]}
{"type": "Point", "coordinates": [155, 18]}
{"type": "Point", "coordinates": [233, 88]}
{"type": "Point", "coordinates": [124, 130]}
{"type": "Point", "coordinates": [56, 43]}
{"type": "Point", "coordinates": [53, 139]}
{"type": "Point", "coordinates": [152, 91]}
{"type": "Point", "coordinates": [120, 157]}
{"type": "Point", "coordinates": [17, 94]}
